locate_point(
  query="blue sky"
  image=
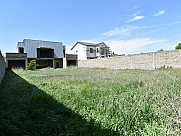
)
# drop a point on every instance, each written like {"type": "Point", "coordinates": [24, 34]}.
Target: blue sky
{"type": "Point", "coordinates": [127, 26]}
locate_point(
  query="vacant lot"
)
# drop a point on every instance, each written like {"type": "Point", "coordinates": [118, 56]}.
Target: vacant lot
{"type": "Point", "coordinates": [91, 102]}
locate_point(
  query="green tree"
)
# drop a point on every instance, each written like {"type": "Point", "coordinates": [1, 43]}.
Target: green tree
{"type": "Point", "coordinates": [32, 65]}
{"type": "Point", "coordinates": [178, 46]}
{"type": "Point", "coordinates": [160, 50]}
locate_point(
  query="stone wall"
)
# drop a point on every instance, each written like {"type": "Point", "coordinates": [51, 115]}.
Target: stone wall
{"type": "Point", "coordinates": [137, 61]}
{"type": "Point", "coordinates": [2, 67]}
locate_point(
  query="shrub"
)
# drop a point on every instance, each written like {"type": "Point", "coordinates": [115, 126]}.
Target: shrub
{"type": "Point", "coordinates": [32, 65]}
{"type": "Point", "coordinates": [161, 50]}
{"type": "Point", "coordinates": [178, 46]}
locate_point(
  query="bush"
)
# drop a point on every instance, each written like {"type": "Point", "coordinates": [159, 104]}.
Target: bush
{"type": "Point", "coordinates": [161, 50]}
{"type": "Point", "coordinates": [32, 65]}
{"type": "Point", "coordinates": [178, 46]}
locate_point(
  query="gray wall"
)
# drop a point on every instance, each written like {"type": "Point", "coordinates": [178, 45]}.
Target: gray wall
{"type": "Point", "coordinates": [30, 47]}
{"type": "Point", "coordinates": [2, 67]}
{"type": "Point", "coordinates": [138, 61]}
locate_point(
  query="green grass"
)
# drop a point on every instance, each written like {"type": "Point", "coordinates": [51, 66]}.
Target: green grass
{"type": "Point", "coordinates": [98, 102]}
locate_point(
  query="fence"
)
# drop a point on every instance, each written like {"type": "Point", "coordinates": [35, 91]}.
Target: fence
{"type": "Point", "coordinates": [137, 61]}
{"type": "Point", "coordinates": [2, 67]}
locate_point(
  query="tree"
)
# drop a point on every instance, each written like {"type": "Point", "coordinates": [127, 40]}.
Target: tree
{"type": "Point", "coordinates": [178, 46]}
{"type": "Point", "coordinates": [32, 65]}
{"type": "Point", "coordinates": [161, 50]}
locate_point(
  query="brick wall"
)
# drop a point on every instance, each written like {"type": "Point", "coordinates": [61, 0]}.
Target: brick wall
{"type": "Point", "coordinates": [2, 67]}
{"type": "Point", "coordinates": [137, 61]}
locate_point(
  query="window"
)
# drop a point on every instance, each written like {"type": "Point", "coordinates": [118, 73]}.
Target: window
{"type": "Point", "coordinates": [21, 50]}
{"type": "Point", "coordinates": [91, 50]}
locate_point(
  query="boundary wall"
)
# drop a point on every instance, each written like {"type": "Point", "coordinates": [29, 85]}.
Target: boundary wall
{"type": "Point", "coordinates": [2, 67]}
{"type": "Point", "coordinates": [148, 61]}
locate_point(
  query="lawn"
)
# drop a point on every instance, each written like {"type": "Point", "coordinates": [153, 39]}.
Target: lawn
{"type": "Point", "coordinates": [80, 102]}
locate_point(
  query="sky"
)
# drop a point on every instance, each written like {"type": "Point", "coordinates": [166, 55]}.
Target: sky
{"type": "Point", "coordinates": [127, 26]}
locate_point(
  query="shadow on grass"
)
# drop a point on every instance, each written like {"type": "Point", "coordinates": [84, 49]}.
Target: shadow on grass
{"type": "Point", "coordinates": [27, 110]}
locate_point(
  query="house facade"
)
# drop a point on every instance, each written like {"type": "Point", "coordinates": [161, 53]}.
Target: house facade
{"type": "Point", "coordinates": [46, 54]}
{"type": "Point", "coordinates": [86, 51]}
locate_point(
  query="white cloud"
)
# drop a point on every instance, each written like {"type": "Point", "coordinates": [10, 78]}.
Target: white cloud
{"type": "Point", "coordinates": [135, 18]}
{"type": "Point", "coordinates": [132, 45]}
{"type": "Point", "coordinates": [176, 22]}
{"type": "Point", "coordinates": [117, 31]}
{"type": "Point", "coordinates": [124, 30]}
{"type": "Point", "coordinates": [159, 13]}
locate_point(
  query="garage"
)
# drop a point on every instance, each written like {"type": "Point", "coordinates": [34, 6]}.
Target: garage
{"type": "Point", "coordinates": [16, 60]}
{"type": "Point", "coordinates": [16, 64]}
{"type": "Point", "coordinates": [71, 60]}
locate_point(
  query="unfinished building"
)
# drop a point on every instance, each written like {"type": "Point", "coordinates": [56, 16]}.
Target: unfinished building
{"type": "Point", "coordinates": [45, 53]}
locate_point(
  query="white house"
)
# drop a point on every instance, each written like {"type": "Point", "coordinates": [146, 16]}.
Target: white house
{"type": "Point", "coordinates": [86, 51]}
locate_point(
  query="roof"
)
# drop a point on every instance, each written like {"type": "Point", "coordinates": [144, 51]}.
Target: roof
{"type": "Point", "coordinates": [90, 44]}
{"type": "Point", "coordinates": [21, 44]}
{"type": "Point", "coordinates": [41, 41]}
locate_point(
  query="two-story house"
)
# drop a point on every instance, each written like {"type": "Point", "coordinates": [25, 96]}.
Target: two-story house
{"type": "Point", "coordinates": [86, 51]}
{"type": "Point", "coordinates": [46, 54]}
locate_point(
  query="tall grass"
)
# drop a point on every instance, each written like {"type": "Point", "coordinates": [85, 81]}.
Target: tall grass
{"type": "Point", "coordinates": [120, 102]}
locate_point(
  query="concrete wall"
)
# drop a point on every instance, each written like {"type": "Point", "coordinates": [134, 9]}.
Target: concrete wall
{"type": "Point", "coordinates": [137, 61]}
{"type": "Point", "coordinates": [2, 67]}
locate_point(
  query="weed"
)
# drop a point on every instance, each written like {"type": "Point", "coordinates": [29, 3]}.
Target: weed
{"type": "Point", "coordinates": [90, 102]}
